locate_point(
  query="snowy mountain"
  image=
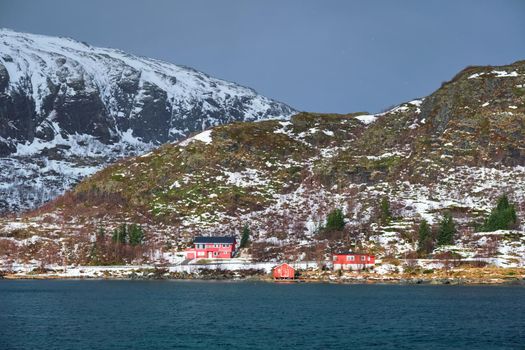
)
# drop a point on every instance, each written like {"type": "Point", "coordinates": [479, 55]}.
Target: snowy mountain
{"type": "Point", "coordinates": [67, 109]}
{"type": "Point", "coordinates": [455, 151]}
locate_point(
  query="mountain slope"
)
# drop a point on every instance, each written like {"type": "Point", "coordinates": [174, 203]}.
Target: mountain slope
{"type": "Point", "coordinates": [67, 109]}
{"type": "Point", "coordinates": [456, 150]}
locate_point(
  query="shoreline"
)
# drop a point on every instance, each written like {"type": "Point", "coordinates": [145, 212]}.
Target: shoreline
{"type": "Point", "coordinates": [468, 277]}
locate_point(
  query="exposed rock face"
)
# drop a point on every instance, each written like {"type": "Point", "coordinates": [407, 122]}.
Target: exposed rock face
{"type": "Point", "coordinates": [89, 106]}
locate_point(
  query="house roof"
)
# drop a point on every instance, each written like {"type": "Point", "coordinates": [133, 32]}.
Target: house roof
{"type": "Point", "coordinates": [223, 239]}
{"type": "Point", "coordinates": [348, 252]}
{"type": "Point", "coordinates": [283, 264]}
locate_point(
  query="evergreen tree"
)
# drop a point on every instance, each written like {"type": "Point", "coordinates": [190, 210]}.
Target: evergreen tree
{"type": "Point", "coordinates": [424, 237]}
{"type": "Point", "coordinates": [503, 217]}
{"type": "Point", "coordinates": [120, 234]}
{"type": "Point", "coordinates": [245, 236]}
{"type": "Point", "coordinates": [136, 235]}
{"type": "Point", "coordinates": [384, 211]}
{"type": "Point", "coordinates": [93, 253]}
{"type": "Point", "coordinates": [447, 230]}
{"type": "Point", "coordinates": [335, 220]}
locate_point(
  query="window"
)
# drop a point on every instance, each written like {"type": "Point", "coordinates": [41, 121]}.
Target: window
{"type": "Point", "coordinates": [335, 257]}
{"type": "Point", "coordinates": [215, 253]}
{"type": "Point", "coordinates": [225, 245]}
{"type": "Point", "coordinates": [216, 245]}
{"type": "Point", "coordinates": [363, 258]}
{"type": "Point", "coordinates": [350, 258]}
{"type": "Point", "coordinates": [368, 258]}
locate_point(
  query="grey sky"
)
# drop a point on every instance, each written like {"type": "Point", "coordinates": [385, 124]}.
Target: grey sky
{"type": "Point", "coordinates": [327, 56]}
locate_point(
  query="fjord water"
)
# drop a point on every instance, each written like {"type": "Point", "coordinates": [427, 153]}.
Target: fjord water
{"type": "Point", "coordinates": [256, 315]}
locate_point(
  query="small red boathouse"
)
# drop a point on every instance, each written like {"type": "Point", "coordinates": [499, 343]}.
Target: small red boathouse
{"type": "Point", "coordinates": [283, 272]}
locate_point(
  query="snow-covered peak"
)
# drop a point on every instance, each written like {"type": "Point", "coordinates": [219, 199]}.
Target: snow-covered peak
{"type": "Point", "coordinates": [65, 101]}
{"type": "Point", "coordinates": [32, 61]}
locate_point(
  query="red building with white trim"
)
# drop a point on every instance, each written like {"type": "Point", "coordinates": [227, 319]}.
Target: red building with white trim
{"type": "Point", "coordinates": [283, 272]}
{"type": "Point", "coordinates": [347, 260]}
{"type": "Point", "coordinates": [212, 248]}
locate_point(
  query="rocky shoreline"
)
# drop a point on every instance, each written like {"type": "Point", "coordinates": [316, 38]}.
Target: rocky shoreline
{"type": "Point", "coordinates": [472, 276]}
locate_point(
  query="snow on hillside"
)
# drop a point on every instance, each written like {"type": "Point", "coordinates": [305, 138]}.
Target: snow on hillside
{"type": "Point", "coordinates": [370, 118]}
{"type": "Point", "coordinates": [204, 136]}
{"type": "Point", "coordinates": [67, 109]}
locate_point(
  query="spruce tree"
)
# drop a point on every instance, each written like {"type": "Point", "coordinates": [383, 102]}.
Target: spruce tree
{"type": "Point", "coordinates": [503, 217]}
{"type": "Point", "coordinates": [245, 236]}
{"type": "Point", "coordinates": [120, 234]}
{"type": "Point", "coordinates": [424, 237]}
{"type": "Point", "coordinates": [335, 220]}
{"type": "Point", "coordinates": [94, 253]}
{"type": "Point", "coordinates": [136, 235]}
{"type": "Point", "coordinates": [115, 237]}
{"type": "Point", "coordinates": [384, 211]}
{"type": "Point", "coordinates": [447, 230]}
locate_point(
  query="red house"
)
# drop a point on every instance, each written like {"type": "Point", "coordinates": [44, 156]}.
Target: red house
{"type": "Point", "coordinates": [211, 248]}
{"type": "Point", "coordinates": [283, 272]}
{"type": "Point", "coordinates": [347, 260]}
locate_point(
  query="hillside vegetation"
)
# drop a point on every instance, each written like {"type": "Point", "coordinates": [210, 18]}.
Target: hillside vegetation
{"type": "Point", "coordinates": [453, 153]}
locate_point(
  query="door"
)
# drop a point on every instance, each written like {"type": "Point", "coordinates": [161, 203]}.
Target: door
{"type": "Point", "coordinates": [210, 255]}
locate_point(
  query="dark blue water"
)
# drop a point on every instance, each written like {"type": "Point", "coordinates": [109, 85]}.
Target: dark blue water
{"type": "Point", "coordinates": [246, 315]}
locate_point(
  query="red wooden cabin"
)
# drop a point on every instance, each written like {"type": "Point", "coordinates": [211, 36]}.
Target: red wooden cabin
{"type": "Point", "coordinates": [212, 248]}
{"type": "Point", "coordinates": [283, 272]}
{"type": "Point", "coordinates": [347, 260]}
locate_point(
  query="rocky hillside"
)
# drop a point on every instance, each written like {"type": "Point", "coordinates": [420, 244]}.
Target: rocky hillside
{"type": "Point", "coordinates": [67, 109]}
{"type": "Point", "coordinates": [455, 151]}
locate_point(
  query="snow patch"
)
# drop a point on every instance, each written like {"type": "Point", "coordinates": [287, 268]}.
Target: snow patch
{"type": "Point", "coordinates": [204, 136]}
{"type": "Point", "coordinates": [367, 118]}
{"type": "Point", "coordinates": [504, 74]}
